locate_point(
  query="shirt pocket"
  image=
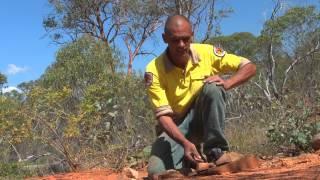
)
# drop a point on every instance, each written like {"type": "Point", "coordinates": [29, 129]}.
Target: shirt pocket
{"type": "Point", "coordinates": [197, 79]}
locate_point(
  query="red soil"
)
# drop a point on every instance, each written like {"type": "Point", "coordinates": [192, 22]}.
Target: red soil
{"type": "Point", "coordinates": [305, 166]}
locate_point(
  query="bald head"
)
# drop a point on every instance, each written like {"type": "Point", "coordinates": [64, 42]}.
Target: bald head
{"type": "Point", "coordinates": [178, 35]}
{"type": "Point", "coordinates": [176, 22]}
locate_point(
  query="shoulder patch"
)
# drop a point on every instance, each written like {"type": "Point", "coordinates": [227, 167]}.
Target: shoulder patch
{"type": "Point", "coordinates": [218, 51]}
{"type": "Point", "coordinates": [148, 79]}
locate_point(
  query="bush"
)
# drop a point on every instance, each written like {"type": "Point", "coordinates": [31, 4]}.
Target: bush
{"type": "Point", "coordinates": [294, 128]}
{"type": "Point", "coordinates": [14, 171]}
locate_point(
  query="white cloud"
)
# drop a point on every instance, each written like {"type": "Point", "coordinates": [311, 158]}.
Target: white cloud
{"type": "Point", "coordinates": [9, 89]}
{"type": "Point", "coordinates": [14, 69]}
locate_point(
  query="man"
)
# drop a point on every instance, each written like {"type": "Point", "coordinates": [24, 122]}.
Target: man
{"type": "Point", "coordinates": [188, 96]}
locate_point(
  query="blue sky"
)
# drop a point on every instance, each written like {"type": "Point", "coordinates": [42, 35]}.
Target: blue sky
{"type": "Point", "coordinates": [25, 51]}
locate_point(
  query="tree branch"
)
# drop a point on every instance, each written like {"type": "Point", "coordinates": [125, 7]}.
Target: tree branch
{"type": "Point", "coordinates": [296, 61]}
{"type": "Point", "coordinates": [16, 151]}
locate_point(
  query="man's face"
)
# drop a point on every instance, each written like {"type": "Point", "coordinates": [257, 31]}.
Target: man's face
{"type": "Point", "coordinates": [179, 38]}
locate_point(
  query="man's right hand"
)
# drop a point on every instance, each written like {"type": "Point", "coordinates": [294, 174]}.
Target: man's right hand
{"type": "Point", "coordinates": [191, 153]}
{"type": "Point", "coordinates": [190, 150]}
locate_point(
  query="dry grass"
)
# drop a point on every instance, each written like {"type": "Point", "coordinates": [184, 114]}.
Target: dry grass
{"type": "Point", "coordinates": [248, 135]}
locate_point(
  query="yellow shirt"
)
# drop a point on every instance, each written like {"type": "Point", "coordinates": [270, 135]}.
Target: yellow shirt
{"type": "Point", "coordinates": [172, 90]}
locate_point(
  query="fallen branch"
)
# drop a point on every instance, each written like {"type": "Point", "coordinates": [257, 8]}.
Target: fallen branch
{"type": "Point", "coordinates": [231, 118]}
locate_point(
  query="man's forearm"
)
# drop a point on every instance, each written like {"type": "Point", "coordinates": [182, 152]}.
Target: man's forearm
{"type": "Point", "coordinates": [241, 76]}
{"type": "Point", "coordinates": [172, 130]}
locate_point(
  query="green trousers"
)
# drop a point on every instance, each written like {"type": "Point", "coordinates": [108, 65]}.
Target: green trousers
{"type": "Point", "coordinates": [203, 123]}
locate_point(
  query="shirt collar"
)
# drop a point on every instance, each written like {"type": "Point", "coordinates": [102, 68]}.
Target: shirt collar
{"type": "Point", "coordinates": [168, 64]}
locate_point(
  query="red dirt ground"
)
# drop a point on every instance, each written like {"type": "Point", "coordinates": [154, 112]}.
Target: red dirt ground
{"type": "Point", "coordinates": [305, 166]}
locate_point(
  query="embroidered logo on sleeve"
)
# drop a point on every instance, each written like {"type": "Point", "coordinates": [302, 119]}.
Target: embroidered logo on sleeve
{"type": "Point", "coordinates": [148, 79]}
{"type": "Point", "coordinates": [218, 51]}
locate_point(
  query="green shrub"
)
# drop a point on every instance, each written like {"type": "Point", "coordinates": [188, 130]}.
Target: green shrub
{"type": "Point", "coordinates": [14, 171]}
{"type": "Point", "coordinates": [294, 128]}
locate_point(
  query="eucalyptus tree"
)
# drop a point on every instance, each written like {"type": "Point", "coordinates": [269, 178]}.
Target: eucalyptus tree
{"type": "Point", "coordinates": [3, 80]}
{"type": "Point", "coordinates": [240, 43]}
{"type": "Point", "coordinates": [291, 37]}
{"type": "Point", "coordinates": [205, 15]}
{"type": "Point", "coordinates": [131, 22]}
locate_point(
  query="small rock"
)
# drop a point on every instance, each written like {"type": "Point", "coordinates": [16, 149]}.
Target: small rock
{"type": "Point", "coordinates": [130, 173]}
{"type": "Point", "coordinates": [315, 142]}
{"type": "Point", "coordinates": [203, 166]}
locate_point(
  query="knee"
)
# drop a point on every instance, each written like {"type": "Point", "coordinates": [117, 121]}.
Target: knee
{"type": "Point", "coordinates": [211, 90]}
{"type": "Point", "coordinates": [155, 166]}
